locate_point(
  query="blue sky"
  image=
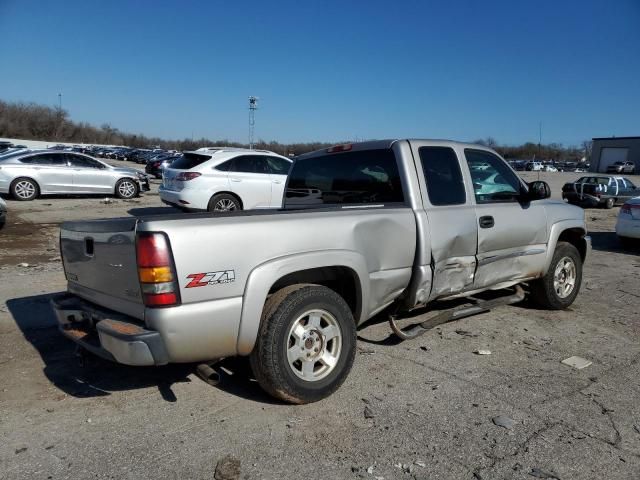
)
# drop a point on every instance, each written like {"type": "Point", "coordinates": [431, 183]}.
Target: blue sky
{"type": "Point", "coordinates": [332, 70]}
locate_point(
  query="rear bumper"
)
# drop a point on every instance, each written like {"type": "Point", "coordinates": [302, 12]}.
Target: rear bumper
{"type": "Point", "coordinates": [177, 199]}
{"type": "Point", "coordinates": [107, 334]}
{"type": "Point", "coordinates": [629, 228]}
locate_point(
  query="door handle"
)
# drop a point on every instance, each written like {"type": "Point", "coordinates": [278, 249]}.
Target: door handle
{"type": "Point", "coordinates": [236, 180]}
{"type": "Point", "coordinates": [277, 181]}
{"type": "Point", "coordinates": [487, 221]}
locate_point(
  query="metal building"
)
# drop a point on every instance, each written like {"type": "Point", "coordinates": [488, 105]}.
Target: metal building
{"type": "Point", "coordinates": [606, 151]}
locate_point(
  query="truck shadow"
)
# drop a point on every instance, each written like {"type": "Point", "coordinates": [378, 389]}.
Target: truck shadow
{"type": "Point", "coordinates": [83, 375]}
{"type": "Point", "coordinates": [87, 375]}
{"type": "Point", "coordinates": [144, 211]}
{"type": "Point", "coordinates": [609, 242]}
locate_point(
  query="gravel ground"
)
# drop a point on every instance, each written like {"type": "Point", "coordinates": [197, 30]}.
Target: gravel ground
{"type": "Point", "coordinates": [434, 409]}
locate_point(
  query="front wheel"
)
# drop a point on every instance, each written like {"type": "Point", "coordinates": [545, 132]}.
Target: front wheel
{"type": "Point", "coordinates": [559, 287]}
{"type": "Point", "coordinates": [126, 188]}
{"type": "Point", "coordinates": [24, 189]}
{"type": "Point", "coordinates": [306, 344]}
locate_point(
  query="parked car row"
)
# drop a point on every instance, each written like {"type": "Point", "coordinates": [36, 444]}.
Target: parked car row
{"type": "Point", "coordinates": [548, 166]}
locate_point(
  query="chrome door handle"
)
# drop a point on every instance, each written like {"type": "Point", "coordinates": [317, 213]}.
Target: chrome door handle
{"type": "Point", "coordinates": [277, 181]}
{"type": "Point", "coordinates": [236, 180]}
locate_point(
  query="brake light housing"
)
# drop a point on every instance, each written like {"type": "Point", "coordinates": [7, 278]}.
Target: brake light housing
{"type": "Point", "coordinates": [186, 176]}
{"type": "Point", "coordinates": [340, 148]}
{"type": "Point", "coordinates": [156, 270]}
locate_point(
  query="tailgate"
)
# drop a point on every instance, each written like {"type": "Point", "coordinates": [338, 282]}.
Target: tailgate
{"type": "Point", "coordinates": [99, 258]}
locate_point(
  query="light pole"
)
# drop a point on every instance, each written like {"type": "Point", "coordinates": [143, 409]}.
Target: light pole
{"type": "Point", "coordinates": [253, 106]}
{"type": "Point", "coordinates": [60, 101]}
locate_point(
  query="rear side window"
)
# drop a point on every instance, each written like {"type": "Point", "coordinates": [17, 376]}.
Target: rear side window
{"type": "Point", "coordinates": [45, 159]}
{"type": "Point", "coordinates": [441, 168]}
{"type": "Point", "coordinates": [249, 164]}
{"type": "Point", "coordinates": [360, 177]}
{"type": "Point", "coordinates": [189, 161]}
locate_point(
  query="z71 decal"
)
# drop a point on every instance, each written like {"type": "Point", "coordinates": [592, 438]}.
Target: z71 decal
{"type": "Point", "coordinates": [211, 278]}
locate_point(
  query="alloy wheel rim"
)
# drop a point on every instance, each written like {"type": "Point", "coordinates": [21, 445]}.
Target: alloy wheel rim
{"type": "Point", "coordinates": [564, 278]}
{"type": "Point", "coordinates": [126, 189]}
{"type": "Point", "coordinates": [25, 189]}
{"type": "Point", "coordinates": [314, 345]}
{"type": "Point", "coordinates": [225, 205]}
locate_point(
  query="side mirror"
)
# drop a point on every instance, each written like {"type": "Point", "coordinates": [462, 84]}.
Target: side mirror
{"type": "Point", "coordinates": [539, 190]}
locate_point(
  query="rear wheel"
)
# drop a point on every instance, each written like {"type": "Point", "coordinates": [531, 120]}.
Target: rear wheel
{"type": "Point", "coordinates": [609, 203]}
{"type": "Point", "coordinates": [126, 188]}
{"type": "Point", "coordinates": [560, 286]}
{"type": "Point", "coordinates": [24, 189]}
{"type": "Point", "coordinates": [306, 344]}
{"type": "Point", "coordinates": [224, 202]}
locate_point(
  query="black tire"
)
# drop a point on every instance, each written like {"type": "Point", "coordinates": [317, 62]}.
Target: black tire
{"type": "Point", "coordinates": [126, 188]}
{"type": "Point", "coordinates": [224, 202]}
{"type": "Point", "coordinates": [609, 203]}
{"type": "Point", "coordinates": [543, 291]}
{"type": "Point", "coordinates": [24, 189]}
{"type": "Point", "coordinates": [269, 359]}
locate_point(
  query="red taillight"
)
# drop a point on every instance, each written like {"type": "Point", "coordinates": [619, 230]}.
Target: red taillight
{"type": "Point", "coordinates": [153, 250]}
{"type": "Point", "coordinates": [156, 271]}
{"type": "Point", "coordinates": [186, 176]}
{"type": "Point", "coordinates": [340, 148]}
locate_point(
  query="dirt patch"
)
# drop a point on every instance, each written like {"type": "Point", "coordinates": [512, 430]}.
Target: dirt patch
{"type": "Point", "coordinates": [26, 242]}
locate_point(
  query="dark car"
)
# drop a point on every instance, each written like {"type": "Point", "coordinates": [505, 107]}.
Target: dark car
{"type": "Point", "coordinates": [156, 165]}
{"type": "Point", "coordinates": [599, 191]}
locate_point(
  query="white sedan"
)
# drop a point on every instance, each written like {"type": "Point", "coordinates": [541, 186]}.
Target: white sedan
{"type": "Point", "coordinates": [628, 225]}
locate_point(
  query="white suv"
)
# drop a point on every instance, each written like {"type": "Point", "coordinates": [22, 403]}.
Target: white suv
{"type": "Point", "coordinates": [225, 179]}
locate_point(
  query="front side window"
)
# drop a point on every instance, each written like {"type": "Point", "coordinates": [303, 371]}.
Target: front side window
{"type": "Point", "coordinates": [441, 168]}
{"type": "Point", "coordinates": [82, 162]}
{"type": "Point", "coordinates": [360, 177]}
{"type": "Point", "coordinates": [493, 181]}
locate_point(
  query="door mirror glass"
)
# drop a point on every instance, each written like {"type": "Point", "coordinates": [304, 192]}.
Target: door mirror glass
{"type": "Point", "coordinates": [539, 190]}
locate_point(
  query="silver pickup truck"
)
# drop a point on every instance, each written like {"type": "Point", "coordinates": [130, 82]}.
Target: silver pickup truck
{"type": "Point", "coordinates": [394, 224]}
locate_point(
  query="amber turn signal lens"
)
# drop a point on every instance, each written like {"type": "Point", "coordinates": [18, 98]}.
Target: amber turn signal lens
{"type": "Point", "coordinates": [155, 274]}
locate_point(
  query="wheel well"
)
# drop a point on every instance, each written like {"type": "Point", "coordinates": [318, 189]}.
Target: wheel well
{"type": "Point", "coordinates": [575, 236]}
{"type": "Point", "coordinates": [232, 194]}
{"type": "Point", "coordinates": [342, 280]}
{"type": "Point", "coordinates": [25, 178]}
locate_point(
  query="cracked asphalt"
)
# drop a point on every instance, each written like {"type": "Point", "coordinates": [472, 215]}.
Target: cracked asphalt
{"type": "Point", "coordinates": [432, 401]}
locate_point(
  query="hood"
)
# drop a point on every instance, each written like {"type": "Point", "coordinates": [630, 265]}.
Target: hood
{"type": "Point", "coordinates": [130, 171]}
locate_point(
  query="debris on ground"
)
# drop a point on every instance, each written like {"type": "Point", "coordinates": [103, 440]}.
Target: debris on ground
{"type": "Point", "coordinates": [366, 351]}
{"type": "Point", "coordinates": [228, 468]}
{"type": "Point", "coordinates": [370, 470]}
{"type": "Point", "coordinates": [482, 352]}
{"type": "Point", "coordinates": [466, 333]}
{"type": "Point", "coordinates": [420, 464]}
{"type": "Point", "coordinates": [538, 473]}
{"type": "Point", "coordinates": [504, 422]}
{"type": "Point", "coordinates": [23, 265]}
{"type": "Point", "coordinates": [424, 348]}
{"type": "Point", "coordinates": [20, 450]}
{"type": "Point", "coordinates": [577, 362]}
{"type": "Point", "coordinates": [368, 413]}
{"type": "Point", "coordinates": [636, 428]}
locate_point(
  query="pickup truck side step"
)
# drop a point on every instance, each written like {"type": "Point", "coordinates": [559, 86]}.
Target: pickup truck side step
{"type": "Point", "coordinates": [481, 306]}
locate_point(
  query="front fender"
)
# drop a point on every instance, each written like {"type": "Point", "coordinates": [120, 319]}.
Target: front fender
{"type": "Point", "coordinates": [264, 276]}
{"type": "Point", "coordinates": [554, 234]}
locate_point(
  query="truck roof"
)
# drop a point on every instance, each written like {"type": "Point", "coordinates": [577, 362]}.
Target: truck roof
{"type": "Point", "coordinates": [382, 144]}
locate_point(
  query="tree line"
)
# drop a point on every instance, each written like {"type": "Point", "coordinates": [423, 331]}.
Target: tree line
{"type": "Point", "coordinates": [30, 121]}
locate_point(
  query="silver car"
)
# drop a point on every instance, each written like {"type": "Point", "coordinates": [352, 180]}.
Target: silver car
{"type": "Point", "coordinates": [27, 174]}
